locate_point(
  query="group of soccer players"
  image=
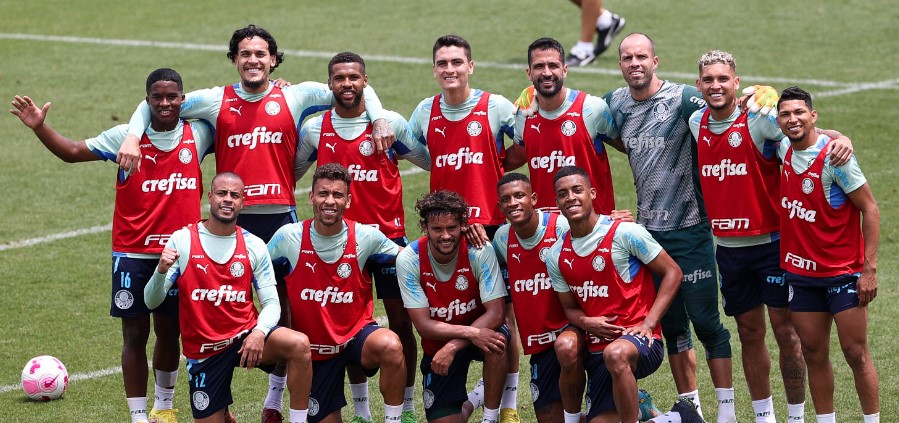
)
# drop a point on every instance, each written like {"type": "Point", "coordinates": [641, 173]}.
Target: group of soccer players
{"type": "Point", "coordinates": [590, 294]}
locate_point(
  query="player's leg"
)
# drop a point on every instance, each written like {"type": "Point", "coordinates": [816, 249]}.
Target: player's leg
{"type": "Point", "coordinates": [127, 303]}
{"type": "Point", "coordinates": [292, 347]}
{"type": "Point", "coordinates": [494, 374]}
{"type": "Point", "coordinates": [382, 349]}
{"type": "Point", "coordinates": [545, 395]}
{"type": "Point", "coordinates": [443, 395]}
{"type": "Point", "coordinates": [852, 329]}
{"type": "Point", "coordinates": [166, 357]}
{"type": "Point", "coordinates": [509, 402]}
{"type": "Point", "coordinates": [210, 384]}
{"type": "Point", "coordinates": [570, 350]}
{"type": "Point", "coordinates": [359, 392]}
{"type": "Point", "coordinates": [814, 336]}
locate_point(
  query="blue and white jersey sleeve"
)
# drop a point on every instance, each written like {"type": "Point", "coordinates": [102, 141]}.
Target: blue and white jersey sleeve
{"type": "Point", "coordinates": [264, 282]}
{"type": "Point", "coordinates": [599, 121]}
{"type": "Point", "coordinates": [408, 273]}
{"type": "Point", "coordinates": [407, 146]}
{"type": "Point", "coordinates": [418, 122]}
{"type": "Point", "coordinates": [307, 148]}
{"type": "Point", "coordinates": [106, 145]}
{"type": "Point", "coordinates": [486, 270]}
{"type": "Point", "coordinates": [501, 115]}
{"type": "Point", "coordinates": [159, 284]}
{"type": "Point", "coordinates": [373, 245]}
{"type": "Point", "coordinates": [284, 247]}
{"type": "Point", "coordinates": [501, 243]}
{"type": "Point", "coordinates": [201, 104]}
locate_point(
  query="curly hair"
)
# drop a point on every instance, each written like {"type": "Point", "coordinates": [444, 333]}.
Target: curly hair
{"type": "Point", "coordinates": [442, 202]}
{"type": "Point", "coordinates": [251, 31]}
{"type": "Point", "coordinates": [717, 56]}
{"type": "Point", "coordinates": [334, 172]}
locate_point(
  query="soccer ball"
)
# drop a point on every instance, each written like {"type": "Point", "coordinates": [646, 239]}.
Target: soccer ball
{"type": "Point", "coordinates": [45, 378]}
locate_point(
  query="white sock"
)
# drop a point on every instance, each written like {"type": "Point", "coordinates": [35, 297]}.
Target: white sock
{"type": "Point", "coordinates": [275, 392]}
{"type": "Point", "coordinates": [693, 396]}
{"type": "Point", "coordinates": [826, 418]}
{"type": "Point", "coordinates": [796, 413]}
{"type": "Point", "coordinates": [360, 400]}
{"type": "Point", "coordinates": [872, 418]}
{"type": "Point", "coordinates": [491, 415]}
{"type": "Point", "coordinates": [392, 413]}
{"type": "Point", "coordinates": [298, 416]}
{"type": "Point", "coordinates": [605, 19]}
{"type": "Point", "coordinates": [164, 395]}
{"type": "Point", "coordinates": [726, 411]}
{"type": "Point", "coordinates": [764, 411]}
{"type": "Point", "coordinates": [572, 417]}
{"type": "Point", "coordinates": [476, 396]}
{"type": "Point", "coordinates": [409, 399]}
{"type": "Point", "coordinates": [138, 408]}
{"type": "Point", "coordinates": [510, 392]}
{"type": "Point", "coordinates": [583, 47]}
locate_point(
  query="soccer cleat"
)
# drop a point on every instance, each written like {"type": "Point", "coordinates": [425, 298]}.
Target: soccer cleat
{"type": "Point", "coordinates": [687, 411]}
{"type": "Point", "coordinates": [359, 419]}
{"type": "Point", "coordinates": [229, 417]}
{"type": "Point", "coordinates": [576, 58]}
{"type": "Point", "coordinates": [408, 417]}
{"type": "Point", "coordinates": [270, 415]}
{"type": "Point", "coordinates": [604, 36]}
{"type": "Point", "coordinates": [509, 415]}
{"type": "Point", "coordinates": [648, 410]}
{"type": "Point", "coordinates": [163, 416]}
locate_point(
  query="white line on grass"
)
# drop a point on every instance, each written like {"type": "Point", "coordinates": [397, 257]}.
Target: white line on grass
{"type": "Point", "coordinates": [855, 87]}
{"type": "Point", "coordinates": [72, 378]}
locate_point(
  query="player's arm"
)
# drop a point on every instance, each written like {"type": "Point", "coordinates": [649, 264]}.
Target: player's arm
{"type": "Point", "coordinates": [406, 146]}
{"type": "Point", "coordinates": [373, 245]}
{"type": "Point", "coordinates": [665, 267]}
{"type": "Point", "coordinates": [264, 284]}
{"type": "Point", "coordinates": [599, 121]}
{"type": "Point", "coordinates": [168, 270]}
{"type": "Point", "coordinates": [841, 149]}
{"type": "Point", "coordinates": [516, 155]}
{"type": "Point", "coordinates": [599, 326]}
{"type": "Point", "coordinates": [863, 199]}
{"type": "Point", "coordinates": [35, 118]}
{"type": "Point", "coordinates": [614, 142]}
{"type": "Point", "coordinates": [307, 148]}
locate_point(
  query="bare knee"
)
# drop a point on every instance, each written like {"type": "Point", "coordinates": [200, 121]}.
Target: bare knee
{"type": "Point", "coordinates": [617, 358]}
{"type": "Point", "coordinates": [856, 355]}
{"type": "Point", "coordinates": [568, 349]}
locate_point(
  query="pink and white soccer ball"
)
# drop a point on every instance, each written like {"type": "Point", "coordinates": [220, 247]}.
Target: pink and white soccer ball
{"type": "Point", "coordinates": [45, 378]}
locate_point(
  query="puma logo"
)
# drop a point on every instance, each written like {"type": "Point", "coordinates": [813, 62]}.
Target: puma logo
{"type": "Point", "coordinates": [431, 285]}
{"type": "Point", "coordinates": [203, 268]}
{"type": "Point", "coordinates": [311, 266]}
{"type": "Point", "coordinates": [515, 256]}
{"type": "Point", "coordinates": [708, 140]}
{"type": "Point", "coordinates": [331, 146]}
{"type": "Point", "coordinates": [569, 263]}
{"type": "Point", "coordinates": [440, 130]}
{"type": "Point", "coordinates": [151, 158]}
{"type": "Point", "coordinates": [536, 127]}
{"type": "Point", "coordinates": [236, 110]}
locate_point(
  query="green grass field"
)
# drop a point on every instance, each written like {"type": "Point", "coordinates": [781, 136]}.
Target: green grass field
{"type": "Point", "coordinates": [91, 59]}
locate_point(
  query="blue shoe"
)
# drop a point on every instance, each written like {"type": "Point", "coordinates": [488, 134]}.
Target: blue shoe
{"type": "Point", "coordinates": [648, 410]}
{"type": "Point", "coordinates": [687, 411]}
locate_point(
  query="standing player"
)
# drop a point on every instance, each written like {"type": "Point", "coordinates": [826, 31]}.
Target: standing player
{"type": "Point", "coordinates": [149, 206]}
{"type": "Point", "coordinates": [463, 128]}
{"type": "Point", "coordinates": [256, 137]}
{"type": "Point", "coordinates": [652, 117]}
{"type": "Point", "coordinates": [343, 135]}
{"type": "Point", "coordinates": [594, 19]}
{"type": "Point", "coordinates": [455, 297]}
{"type": "Point", "coordinates": [568, 128]}
{"type": "Point", "coordinates": [831, 232]}
{"type": "Point", "coordinates": [216, 265]}
{"type": "Point", "coordinates": [330, 297]}
{"type": "Point", "coordinates": [601, 271]}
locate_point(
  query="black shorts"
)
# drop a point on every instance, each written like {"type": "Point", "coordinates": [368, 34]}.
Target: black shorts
{"type": "Point", "coordinates": [264, 226]}
{"type": "Point", "coordinates": [326, 395]}
{"type": "Point", "coordinates": [545, 371]}
{"type": "Point", "coordinates": [751, 276]}
{"type": "Point", "coordinates": [832, 294]}
{"type": "Point", "coordinates": [387, 286]}
{"type": "Point", "coordinates": [129, 277]}
{"type": "Point", "coordinates": [599, 381]}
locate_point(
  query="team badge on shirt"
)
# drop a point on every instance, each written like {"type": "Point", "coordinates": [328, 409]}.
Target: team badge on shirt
{"type": "Point", "coordinates": [734, 139]}
{"type": "Point", "coordinates": [366, 148]}
{"type": "Point", "coordinates": [201, 400]}
{"type": "Point", "coordinates": [185, 156]}
{"type": "Point", "coordinates": [123, 299]}
{"type": "Point", "coordinates": [237, 269]}
{"type": "Point", "coordinates": [344, 270]}
{"type": "Point", "coordinates": [461, 283]}
{"type": "Point", "coordinates": [661, 112]}
{"type": "Point", "coordinates": [568, 128]}
{"type": "Point", "coordinates": [272, 108]}
{"type": "Point", "coordinates": [474, 128]}
{"type": "Point", "coordinates": [543, 253]}
{"type": "Point", "coordinates": [807, 186]}
{"type": "Point", "coordinates": [599, 263]}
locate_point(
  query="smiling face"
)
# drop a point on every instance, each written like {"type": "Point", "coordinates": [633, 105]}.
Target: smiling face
{"type": "Point", "coordinates": [574, 197]}
{"type": "Point", "coordinates": [225, 198]}
{"type": "Point", "coordinates": [165, 100]}
{"type": "Point", "coordinates": [329, 199]}
{"type": "Point", "coordinates": [516, 201]}
{"type": "Point", "coordinates": [254, 64]}
{"type": "Point", "coordinates": [347, 81]}
{"type": "Point", "coordinates": [637, 61]}
{"type": "Point", "coordinates": [797, 120]}
{"type": "Point", "coordinates": [718, 84]}
{"type": "Point", "coordinates": [444, 232]}
{"type": "Point", "coordinates": [452, 68]}
{"type": "Point", "coordinates": [547, 72]}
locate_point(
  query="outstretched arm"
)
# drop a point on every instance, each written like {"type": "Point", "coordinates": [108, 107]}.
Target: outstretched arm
{"type": "Point", "coordinates": [33, 117]}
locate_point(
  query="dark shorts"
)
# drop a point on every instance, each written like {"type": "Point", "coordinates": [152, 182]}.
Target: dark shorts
{"type": "Point", "coordinates": [327, 396]}
{"type": "Point", "coordinates": [832, 295]}
{"type": "Point", "coordinates": [441, 393]}
{"type": "Point", "coordinates": [545, 372]}
{"type": "Point", "coordinates": [693, 249]}
{"type": "Point", "coordinates": [599, 381]}
{"type": "Point", "coordinates": [264, 226]}
{"type": "Point", "coordinates": [387, 286]}
{"type": "Point", "coordinates": [751, 276]}
{"type": "Point", "coordinates": [129, 277]}
{"type": "Point", "coordinates": [210, 380]}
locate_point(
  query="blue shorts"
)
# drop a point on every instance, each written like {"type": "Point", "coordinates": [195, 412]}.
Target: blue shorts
{"type": "Point", "coordinates": [264, 226]}
{"type": "Point", "coordinates": [210, 379]}
{"type": "Point", "coordinates": [129, 277]}
{"type": "Point", "coordinates": [751, 276]}
{"type": "Point", "coordinates": [441, 392]}
{"type": "Point", "coordinates": [327, 396]}
{"type": "Point", "coordinates": [545, 371]}
{"type": "Point", "coordinates": [833, 294]}
{"type": "Point", "coordinates": [387, 286]}
{"type": "Point", "coordinates": [599, 381]}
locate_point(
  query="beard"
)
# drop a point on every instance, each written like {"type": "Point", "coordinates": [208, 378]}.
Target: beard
{"type": "Point", "coordinates": [556, 87]}
{"type": "Point", "coordinates": [352, 104]}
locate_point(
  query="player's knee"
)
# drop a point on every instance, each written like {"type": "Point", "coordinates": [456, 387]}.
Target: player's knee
{"type": "Point", "coordinates": [716, 340]}
{"type": "Point", "coordinates": [786, 337]}
{"type": "Point", "coordinates": [617, 357]}
{"type": "Point", "coordinates": [300, 349]}
{"type": "Point", "coordinates": [391, 351]}
{"type": "Point", "coordinates": [568, 349]}
{"type": "Point", "coordinates": [751, 334]}
{"type": "Point", "coordinates": [856, 355]}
